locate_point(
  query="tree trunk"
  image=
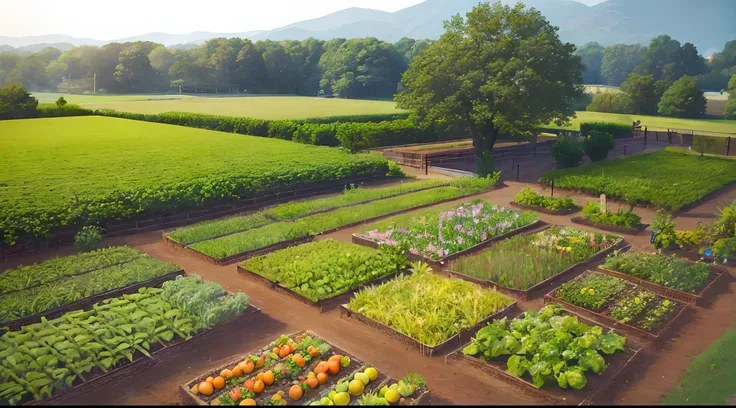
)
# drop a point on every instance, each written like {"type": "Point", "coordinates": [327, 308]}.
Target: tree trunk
{"type": "Point", "coordinates": [483, 142]}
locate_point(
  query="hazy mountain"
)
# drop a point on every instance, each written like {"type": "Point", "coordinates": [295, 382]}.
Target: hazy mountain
{"type": "Point", "coordinates": [708, 24]}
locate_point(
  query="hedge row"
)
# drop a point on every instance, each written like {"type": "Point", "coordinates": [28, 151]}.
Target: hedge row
{"type": "Point", "coordinates": [617, 130]}
{"type": "Point", "coordinates": [50, 110]}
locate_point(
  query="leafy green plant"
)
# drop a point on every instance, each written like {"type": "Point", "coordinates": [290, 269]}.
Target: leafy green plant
{"type": "Point", "coordinates": [437, 234]}
{"type": "Point", "coordinates": [428, 307]}
{"type": "Point", "coordinates": [550, 347]}
{"type": "Point", "coordinates": [522, 261]}
{"type": "Point", "coordinates": [597, 145]}
{"type": "Point", "coordinates": [323, 269]}
{"type": "Point", "coordinates": [664, 230]}
{"type": "Point", "coordinates": [623, 218]}
{"type": "Point", "coordinates": [724, 249]}
{"type": "Point", "coordinates": [528, 196]}
{"type": "Point", "coordinates": [567, 152]}
{"type": "Point", "coordinates": [592, 291]}
{"type": "Point", "coordinates": [89, 238]}
{"type": "Point", "coordinates": [671, 272]}
{"type": "Point", "coordinates": [617, 130]}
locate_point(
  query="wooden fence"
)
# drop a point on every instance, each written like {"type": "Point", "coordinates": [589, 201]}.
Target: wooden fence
{"type": "Point", "coordinates": [710, 142]}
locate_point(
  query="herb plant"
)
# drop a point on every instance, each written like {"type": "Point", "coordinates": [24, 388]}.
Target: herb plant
{"type": "Point", "coordinates": [623, 218]}
{"type": "Point", "coordinates": [670, 272]}
{"type": "Point", "coordinates": [528, 196]}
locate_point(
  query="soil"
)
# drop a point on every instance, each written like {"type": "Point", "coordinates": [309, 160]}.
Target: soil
{"type": "Point", "coordinates": [451, 383]}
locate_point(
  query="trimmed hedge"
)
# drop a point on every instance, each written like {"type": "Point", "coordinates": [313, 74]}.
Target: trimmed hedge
{"type": "Point", "coordinates": [617, 130]}
{"type": "Point", "coordinates": [50, 110]}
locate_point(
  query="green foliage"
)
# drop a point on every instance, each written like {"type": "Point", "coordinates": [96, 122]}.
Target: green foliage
{"type": "Point", "coordinates": [476, 81]}
{"type": "Point", "coordinates": [290, 210]}
{"type": "Point", "coordinates": [16, 102]}
{"type": "Point", "coordinates": [709, 378]}
{"type": "Point", "coordinates": [597, 145]}
{"type": "Point", "coordinates": [623, 218]}
{"type": "Point", "coordinates": [592, 291]}
{"type": "Point", "coordinates": [664, 230]}
{"type": "Point", "coordinates": [89, 238]}
{"type": "Point", "coordinates": [207, 301]}
{"type": "Point", "coordinates": [48, 110]}
{"type": "Point", "coordinates": [670, 272]}
{"type": "Point", "coordinates": [551, 347]}
{"type": "Point", "coordinates": [70, 284]}
{"type": "Point", "coordinates": [683, 99]}
{"type": "Point", "coordinates": [409, 304]}
{"type": "Point", "coordinates": [394, 170]}
{"type": "Point", "coordinates": [667, 179]}
{"type": "Point", "coordinates": [618, 130]}
{"type": "Point", "coordinates": [437, 234]}
{"type": "Point", "coordinates": [44, 191]}
{"type": "Point", "coordinates": [522, 261]}
{"type": "Point", "coordinates": [611, 102]}
{"type": "Point", "coordinates": [591, 55]}
{"type": "Point", "coordinates": [61, 102]}
{"type": "Point", "coordinates": [640, 90]}
{"type": "Point", "coordinates": [50, 356]}
{"type": "Point", "coordinates": [724, 249]}
{"type": "Point", "coordinates": [323, 269]}
{"type": "Point", "coordinates": [528, 196]}
{"type": "Point", "coordinates": [619, 61]}
{"type": "Point", "coordinates": [567, 152]}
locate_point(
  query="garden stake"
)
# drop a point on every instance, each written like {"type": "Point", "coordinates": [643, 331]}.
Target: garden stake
{"type": "Point", "coordinates": [517, 172]}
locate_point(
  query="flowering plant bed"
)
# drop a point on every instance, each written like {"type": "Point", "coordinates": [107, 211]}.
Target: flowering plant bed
{"type": "Point", "coordinates": [671, 277]}
{"type": "Point", "coordinates": [568, 359]}
{"type": "Point", "coordinates": [82, 350]}
{"type": "Point", "coordinates": [300, 368]}
{"type": "Point", "coordinates": [397, 307]}
{"type": "Point", "coordinates": [322, 274]}
{"type": "Point", "coordinates": [442, 236]}
{"type": "Point", "coordinates": [618, 303]}
{"type": "Point", "coordinates": [525, 265]}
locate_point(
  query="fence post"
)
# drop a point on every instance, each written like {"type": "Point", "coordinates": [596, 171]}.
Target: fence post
{"type": "Point", "coordinates": [534, 154]}
{"type": "Point", "coordinates": [517, 172]}
{"type": "Point", "coordinates": [553, 188]}
{"type": "Point", "coordinates": [426, 164]}
{"type": "Point", "coordinates": [645, 140]}
{"type": "Point", "coordinates": [728, 145]}
{"type": "Point", "coordinates": [513, 161]}
{"type": "Point", "coordinates": [624, 150]}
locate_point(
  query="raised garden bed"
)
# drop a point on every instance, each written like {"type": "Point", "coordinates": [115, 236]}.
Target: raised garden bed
{"type": "Point", "coordinates": [543, 210]}
{"type": "Point", "coordinates": [97, 379]}
{"type": "Point", "coordinates": [243, 255]}
{"type": "Point", "coordinates": [291, 375]}
{"type": "Point", "coordinates": [547, 284]}
{"type": "Point", "coordinates": [612, 228]}
{"type": "Point", "coordinates": [87, 303]}
{"type": "Point", "coordinates": [695, 256]}
{"type": "Point", "coordinates": [603, 315]}
{"type": "Point", "coordinates": [618, 366]}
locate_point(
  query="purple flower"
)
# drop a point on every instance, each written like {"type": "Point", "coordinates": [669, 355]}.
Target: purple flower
{"type": "Point", "coordinates": [470, 233]}
{"type": "Point", "coordinates": [458, 227]}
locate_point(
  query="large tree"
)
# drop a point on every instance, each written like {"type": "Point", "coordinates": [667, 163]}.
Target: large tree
{"type": "Point", "coordinates": [592, 56]}
{"type": "Point", "coordinates": [619, 61]}
{"type": "Point", "coordinates": [683, 99]}
{"type": "Point", "coordinates": [501, 71]}
{"type": "Point", "coordinates": [16, 102]}
{"type": "Point", "coordinates": [641, 91]}
{"type": "Point", "coordinates": [729, 111]}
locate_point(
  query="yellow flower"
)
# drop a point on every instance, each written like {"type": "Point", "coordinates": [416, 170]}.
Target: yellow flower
{"type": "Point", "coordinates": [582, 291]}
{"type": "Point", "coordinates": [568, 249]}
{"type": "Point", "coordinates": [591, 291]}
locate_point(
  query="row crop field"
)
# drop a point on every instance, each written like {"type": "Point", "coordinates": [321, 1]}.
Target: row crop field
{"type": "Point", "coordinates": [302, 369]}
{"type": "Point", "coordinates": [30, 290]}
{"type": "Point", "coordinates": [256, 235]}
{"type": "Point", "coordinates": [69, 171]}
{"type": "Point", "coordinates": [668, 178]}
{"type": "Point", "coordinates": [48, 358]}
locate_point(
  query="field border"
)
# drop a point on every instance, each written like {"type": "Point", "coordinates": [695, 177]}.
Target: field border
{"type": "Point", "coordinates": [323, 304]}
{"type": "Point", "coordinates": [357, 239]}
{"type": "Point", "coordinates": [544, 394]}
{"type": "Point", "coordinates": [88, 302]}
{"type": "Point", "coordinates": [543, 210]}
{"type": "Point", "coordinates": [551, 282]}
{"type": "Point", "coordinates": [610, 228]}
{"type": "Point", "coordinates": [441, 349]}
{"type": "Point", "coordinates": [612, 323]}
{"type": "Point", "coordinates": [142, 363]}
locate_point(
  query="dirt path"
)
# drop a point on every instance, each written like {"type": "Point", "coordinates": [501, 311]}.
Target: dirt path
{"type": "Point", "coordinates": [451, 383]}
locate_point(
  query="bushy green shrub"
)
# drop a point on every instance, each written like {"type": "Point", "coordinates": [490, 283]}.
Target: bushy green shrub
{"type": "Point", "coordinates": [50, 110]}
{"type": "Point", "coordinates": [597, 145]}
{"type": "Point", "coordinates": [664, 230]}
{"type": "Point", "coordinates": [567, 152]}
{"type": "Point", "coordinates": [622, 218]}
{"type": "Point", "coordinates": [724, 249]}
{"type": "Point", "coordinates": [528, 196]}
{"type": "Point", "coordinates": [88, 238]}
{"type": "Point", "coordinates": [395, 170]}
{"type": "Point", "coordinates": [617, 130]}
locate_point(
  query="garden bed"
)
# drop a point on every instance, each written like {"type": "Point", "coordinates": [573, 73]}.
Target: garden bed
{"type": "Point", "coordinates": [441, 349]}
{"type": "Point", "coordinates": [612, 228]}
{"type": "Point", "coordinates": [695, 256]}
{"type": "Point", "coordinates": [99, 379]}
{"type": "Point", "coordinates": [243, 255]}
{"type": "Point", "coordinates": [543, 210]}
{"type": "Point", "coordinates": [545, 285]}
{"type": "Point", "coordinates": [88, 302]}
{"type": "Point", "coordinates": [603, 316]}
{"type": "Point", "coordinates": [618, 366]}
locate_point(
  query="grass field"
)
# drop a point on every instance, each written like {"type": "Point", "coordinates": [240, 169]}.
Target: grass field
{"type": "Point", "coordinates": [118, 168]}
{"type": "Point", "coordinates": [710, 125]}
{"type": "Point", "coordinates": [264, 107]}
{"type": "Point", "coordinates": [710, 378]}
{"type": "Point", "coordinates": [666, 178]}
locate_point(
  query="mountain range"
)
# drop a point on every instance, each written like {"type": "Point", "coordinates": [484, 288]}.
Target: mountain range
{"type": "Point", "coordinates": [708, 24]}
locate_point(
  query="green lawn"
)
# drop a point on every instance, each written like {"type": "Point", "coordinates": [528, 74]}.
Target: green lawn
{"type": "Point", "coordinates": [666, 178]}
{"type": "Point", "coordinates": [710, 125]}
{"type": "Point", "coordinates": [62, 170]}
{"type": "Point", "coordinates": [711, 377]}
{"type": "Point", "coordinates": [264, 107]}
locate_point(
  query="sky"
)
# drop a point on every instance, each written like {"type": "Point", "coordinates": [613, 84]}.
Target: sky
{"type": "Point", "coordinates": [115, 19]}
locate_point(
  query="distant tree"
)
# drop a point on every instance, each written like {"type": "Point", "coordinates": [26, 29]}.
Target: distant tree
{"type": "Point", "coordinates": [31, 72]}
{"type": "Point", "coordinates": [729, 111]}
{"type": "Point", "coordinates": [134, 72]}
{"type": "Point", "coordinates": [404, 47]}
{"type": "Point", "coordinates": [488, 75]}
{"type": "Point", "coordinates": [54, 74]}
{"type": "Point", "coordinates": [60, 102]}
{"type": "Point", "coordinates": [592, 57]}
{"type": "Point", "coordinates": [641, 92]}
{"type": "Point", "coordinates": [619, 61]}
{"type": "Point", "coordinates": [161, 59]}
{"type": "Point", "coordinates": [683, 99]}
{"type": "Point", "coordinates": [16, 102]}
{"type": "Point", "coordinates": [251, 74]}
{"type": "Point", "coordinates": [48, 54]}
{"type": "Point", "coordinates": [611, 102]}
{"type": "Point", "coordinates": [661, 52]}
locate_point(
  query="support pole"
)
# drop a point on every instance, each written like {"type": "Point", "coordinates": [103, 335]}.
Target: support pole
{"type": "Point", "coordinates": [426, 164]}
{"type": "Point", "coordinates": [728, 145]}
{"type": "Point", "coordinates": [553, 188]}
{"type": "Point", "coordinates": [517, 172]}
{"type": "Point", "coordinates": [624, 150]}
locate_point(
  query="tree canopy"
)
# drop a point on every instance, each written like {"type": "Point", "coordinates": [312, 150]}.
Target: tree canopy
{"type": "Point", "coordinates": [683, 99]}
{"type": "Point", "coordinates": [500, 71]}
